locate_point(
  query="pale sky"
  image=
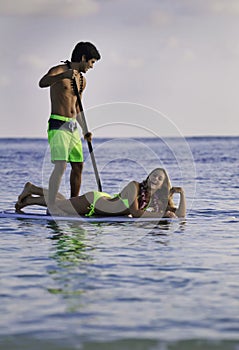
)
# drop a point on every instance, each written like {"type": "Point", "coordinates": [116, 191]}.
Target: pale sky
{"type": "Point", "coordinates": [177, 57]}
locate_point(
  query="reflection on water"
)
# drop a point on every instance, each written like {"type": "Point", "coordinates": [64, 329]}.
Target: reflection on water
{"type": "Point", "coordinates": [70, 248]}
{"type": "Point", "coordinates": [71, 252]}
{"type": "Point", "coordinates": [76, 249]}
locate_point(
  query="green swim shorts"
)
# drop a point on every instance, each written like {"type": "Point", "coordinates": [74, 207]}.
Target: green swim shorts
{"type": "Point", "coordinates": [65, 145]}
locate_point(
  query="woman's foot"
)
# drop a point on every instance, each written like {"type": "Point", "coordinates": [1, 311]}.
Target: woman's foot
{"type": "Point", "coordinates": [20, 205]}
{"type": "Point", "coordinates": [25, 193]}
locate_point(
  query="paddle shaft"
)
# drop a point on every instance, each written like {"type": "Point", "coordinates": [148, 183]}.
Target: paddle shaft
{"type": "Point", "coordinates": [85, 130]}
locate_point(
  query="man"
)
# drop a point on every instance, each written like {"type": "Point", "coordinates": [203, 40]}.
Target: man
{"type": "Point", "coordinates": [63, 136]}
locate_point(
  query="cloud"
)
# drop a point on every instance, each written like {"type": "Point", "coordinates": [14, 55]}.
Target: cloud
{"type": "Point", "coordinates": [4, 81]}
{"type": "Point", "coordinates": [224, 7]}
{"type": "Point", "coordinates": [32, 60]}
{"type": "Point", "coordinates": [174, 42]}
{"type": "Point", "coordinates": [229, 7]}
{"type": "Point", "coordinates": [64, 8]}
{"type": "Point", "coordinates": [161, 18]}
{"type": "Point", "coordinates": [135, 63]}
{"type": "Point", "coordinates": [189, 55]}
{"type": "Point", "coordinates": [176, 46]}
{"type": "Point", "coordinates": [124, 61]}
{"type": "Point", "coordinates": [165, 14]}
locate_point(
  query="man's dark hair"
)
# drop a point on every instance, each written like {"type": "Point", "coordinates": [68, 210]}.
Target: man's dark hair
{"type": "Point", "coordinates": [84, 49]}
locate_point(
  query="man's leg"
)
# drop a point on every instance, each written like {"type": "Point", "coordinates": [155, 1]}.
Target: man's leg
{"type": "Point", "coordinates": [75, 178]}
{"type": "Point", "coordinates": [55, 181]}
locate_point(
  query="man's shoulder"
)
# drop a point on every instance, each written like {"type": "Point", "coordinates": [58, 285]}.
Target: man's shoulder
{"type": "Point", "coordinates": [58, 69]}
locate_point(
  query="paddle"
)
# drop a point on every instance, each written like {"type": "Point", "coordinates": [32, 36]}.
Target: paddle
{"type": "Point", "coordinates": [86, 131]}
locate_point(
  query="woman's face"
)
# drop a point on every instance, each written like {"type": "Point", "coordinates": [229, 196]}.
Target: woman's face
{"type": "Point", "coordinates": [156, 179]}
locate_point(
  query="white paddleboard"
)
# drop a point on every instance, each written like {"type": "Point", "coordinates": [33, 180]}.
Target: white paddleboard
{"type": "Point", "coordinates": [114, 219]}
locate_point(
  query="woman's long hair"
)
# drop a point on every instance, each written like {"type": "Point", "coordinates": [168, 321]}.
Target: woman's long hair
{"type": "Point", "coordinates": [160, 201]}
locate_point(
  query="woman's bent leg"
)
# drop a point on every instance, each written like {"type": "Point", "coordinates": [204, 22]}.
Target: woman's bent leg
{"type": "Point", "coordinates": [30, 189]}
{"type": "Point", "coordinates": [30, 200]}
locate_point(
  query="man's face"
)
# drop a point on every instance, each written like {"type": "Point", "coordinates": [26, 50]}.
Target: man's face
{"type": "Point", "coordinates": [88, 64]}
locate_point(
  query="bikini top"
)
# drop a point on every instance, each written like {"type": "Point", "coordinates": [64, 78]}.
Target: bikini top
{"type": "Point", "coordinates": [145, 201]}
{"type": "Point", "coordinates": [143, 196]}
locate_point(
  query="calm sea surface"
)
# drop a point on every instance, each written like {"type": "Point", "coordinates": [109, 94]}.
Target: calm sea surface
{"type": "Point", "coordinates": [126, 286]}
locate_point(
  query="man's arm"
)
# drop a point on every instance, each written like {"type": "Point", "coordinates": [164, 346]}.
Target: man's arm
{"type": "Point", "coordinates": [56, 74]}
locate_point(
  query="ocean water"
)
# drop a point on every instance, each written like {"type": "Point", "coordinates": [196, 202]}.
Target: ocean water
{"type": "Point", "coordinates": [67, 285]}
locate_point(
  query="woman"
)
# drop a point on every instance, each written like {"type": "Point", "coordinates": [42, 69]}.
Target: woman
{"type": "Point", "coordinates": [151, 198]}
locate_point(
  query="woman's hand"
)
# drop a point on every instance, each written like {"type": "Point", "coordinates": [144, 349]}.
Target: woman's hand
{"type": "Point", "coordinates": [170, 214]}
{"type": "Point", "coordinates": [176, 190]}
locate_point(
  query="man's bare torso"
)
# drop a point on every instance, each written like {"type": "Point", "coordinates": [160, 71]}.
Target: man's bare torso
{"type": "Point", "coordinates": [63, 98]}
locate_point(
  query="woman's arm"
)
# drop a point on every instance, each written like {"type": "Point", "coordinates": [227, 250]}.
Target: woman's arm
{"type": "Point", "coordinates": [181, 210]}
